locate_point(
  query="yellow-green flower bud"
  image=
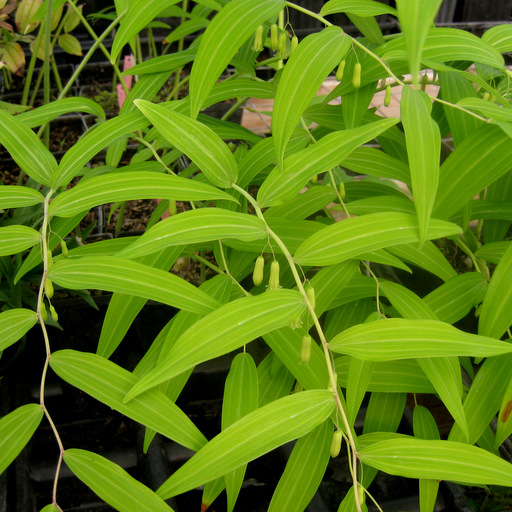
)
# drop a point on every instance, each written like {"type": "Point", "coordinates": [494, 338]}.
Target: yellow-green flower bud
{"type": "Point", "coordinates": [486, 96]}
{"type": "Point", "coordinates": [310, 292]}
{"type": "Point", "coordinates": [356, 77]}
{"type": "Point", "coordinates": [341, 189]}
{"type": "Point", "coordinates": [273, 282]}
{"type": "Point", "coordinates": [258, 39]}
{"type": "Point", "coordinates": [294, 43]}
{"type": "Point", "coordinates": [274, 37]}
{"type": "Point", "coordinates": [281, 46]}
{"type": "Point", "coordinates": [43, 311]}
{"type": "Point", "coordinates": [361, 494]}
{"type": "Point", "coordinates": [336, 443]}
{"type": "Point", "coordinates": [305, 349]}
{"type": "Point", "coordinates": [387, 97]}
{"type": "Point", "coordinates": [48, 288]}
{"type": "Point", "coordinates": [257, 274]}
{"type": "Point", "coordinates": [424, 82]}
{"type": "Point", "coordinates": [55, 316]}
{"type": "Point", "coordinates": [340, 70]}
{"type": "Point", "coordinates": [64, 249]}
{"type": "Point", "coordinates": [296, 323]}
{"type": "Point", "coordinates": [314, 179]}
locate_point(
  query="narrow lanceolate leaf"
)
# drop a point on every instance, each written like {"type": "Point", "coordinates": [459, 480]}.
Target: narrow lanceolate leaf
{"type": "Point", "coordinates": [228, 328]}
{"type": "Point", "coordinates": [240, 398]}
{"type": "Point", "coordinates": [108, 383]}
{"type": "Point", "coordinates": [358, 7]}
{"type": "Point", "coordinates": [46, 113]}
{"type": "Point", "coordinates": [26, 149]}
{"type": "Point", "coordinates": [477, 162]}
{"type": "Point", "coordinates": [137, 16]}
{"type": "Point", "coordinates": [438, 460]}
{"type": "Point", "coordinates": [14, 239]}
{"type": "Point", "coordinates": [112, 483]}
{"type": "Point", "coordinates": [304, 471]}
{"type": "Point", "coordinates": [15, 197]}
{"type": "Point", "coordinates": [15, 323]}
{"type": "Point", "coordinates": [254, 435]}
{"type": "Point", "coordinates": [162, 63]}
{"type": "Point", "coordinates": [444, 373]}
{"type": "Point", "coordinates": [193, 226]}
{"type": "Point", "coordinates": [221, 41]}
{"type": "Point", "coordinates": [454, 299]}
{"type": "Point", "coordinates": [496, 312]}
{"type": "Point", "coordinates": [196, 140]}
{"type": "Point", "coordinates": [92, 143]}
{"type": "Point", "coordinates": [487, 109]}
{"type": "Point", "coordinates": [315, 57]}
{"type": "Point", "coordinates": [284, 183]}
{"type": "Point", "coordinates": [400, 338]}
{"type": "Point", "coordinates": [124, 276]}
{"type": "Point", "coordinates": [110, 188]}
{"type": "Point", "coordinates": [355, 236]}
{"type": "Point", "coordinates": [504, 424]}
{"type": "Point", "coordinates": [423, 141]}
{"type": "Point", "coordinates": [416, 19]}
{"type": "Point", "coordinates": [16, 429]}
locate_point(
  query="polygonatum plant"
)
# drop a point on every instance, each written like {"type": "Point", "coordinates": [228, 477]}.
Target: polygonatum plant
{"type": "Point", "coordinates": [315, 212]}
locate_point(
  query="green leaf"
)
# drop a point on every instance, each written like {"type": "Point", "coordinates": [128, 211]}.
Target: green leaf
{"type": "Point", "coordinates": [283, 184]}
{"type": "Point", "coordinates": [500, 37]}
{"type": "Point", "coordinates": [358, 378]}
{"type": "Point", "coordinates": [423, 141]}
{"type": "Point", "coordinates": [186, 28]}
{"type": "Point", "coordinates": [416, 17]}
{"type": "Point", "coordinates": [454, 299]}
{"type": "Point", "coordinates": [194, 226]}
{"type": "Point", "coordinates": [196, 140]}
{"type": "Point", "coordinates": [275, 381]}
{"type": "Point", "coordinates": [309, 64]}
{"type": "Point", "coordinates": [400, 338]}
{"type": "Point", "coordinates": [16, 429]}
{"type": "Point", "coordinates": [124, 276]}
{"type": "Point", "coordinates": [228, 328]}
{"type": "Point", "coordinates": [438, 460]}
{"type": "Point", "coordinates": [487, 109]}
{"type": "Point", "coordinates": [126, 186]}
{"type": "Point", "coordinates": [92, 143]}
{"type": "Point", "coordinates": [221, 41]}
{"type": "Point", "coordinates": [46, 113]}
{"type": "Point", "coordinates": [70, 44]}
{"type": "Point", "coordinates": [252, 436]}
{"type": "Point", "coordinates": [444, 45]}
{"type": "Point", "coordinates": [352, 237]}
{"type": "Point", "coordinates": [109, 383]}
{"type": "Point", "coordinates": [357, 7]}
{"type": "Point", "coordinates": [492, 252]}
{"type": "Point", "coordinates": [112, 483]}
{"type": "Point", "coordinates": [18, 196]}
{"type": "Point", "coordinates": [14, 239]}
{"type": "Point", "coordinates": [15, 323]}
{"type": "Point", "coordinates": [163, 63]}
{"type": "Point", "coordinates": [138, 14]}
{"type": "Point", "coordinates": [26, 149]}
{"type": "Point", "coordinates": [504, 424]}
{"type": "Point", "coordinates": [240, 398]}
{"type": "Point", "coordinates": [304, 471]}
{"type": "Point", "coordinates": [403, 376]}
{"type": "Point", "coordinates": [496, 313]}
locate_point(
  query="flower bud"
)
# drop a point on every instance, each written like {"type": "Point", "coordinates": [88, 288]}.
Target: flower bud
{"type": "Point", "coordinates": [305, 349]}
{"type": "Point", "coordinates": [64, 249]}
{"type": "Point", "coordinates": [356, 77]}
{"type": "Point", "coordinates": [48, 288]}
{"type": "Point", "coordinates": [53, 313]}
{"type": "Point", "coordinates": [274, 37]}
{"type": "Point", "coordinates": [336, 443]}
{"type": "Point", "coordinates": [314, 179]}
{"type": "Point", "coordinates": [340, 70]}
{"type": "Point", "coordinates": [273, 282]}
{"type": "Point", "coordinates": [387, 97]}
{"type": "Point", "coordinates": [341, 189]}
{"type": "Point", "coordinates": [258, 39]}
{"type": "Point", "coordinates": [43, 311]}
{"type": "Point", "coordinates": [281, 46]}
{"type": "Point", "coordinates": [294, 43]}
{"type": "Point", "coordinates": [257, 274]}
{"type": "Point", "coordinates": [310, 292]}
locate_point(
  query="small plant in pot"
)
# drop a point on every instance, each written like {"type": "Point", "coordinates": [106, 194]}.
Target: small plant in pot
{"type": "Point", "coordinates": [337, 328]}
